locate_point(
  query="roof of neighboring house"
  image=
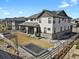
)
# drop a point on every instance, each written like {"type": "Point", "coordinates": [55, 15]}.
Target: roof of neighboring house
{"type": "Point", "coordinates": [35, 15]}
{"type": "Point", "coordinates": [15, 19]}
{"type": "Point", "coordinates": [33, 24]}
{"type": "Point", "coordinates": [76, 19]}
{"type": "Point", "coordinates": [51, 13]}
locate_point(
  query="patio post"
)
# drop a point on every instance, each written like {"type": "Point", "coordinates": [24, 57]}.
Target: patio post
{"type": "Point", "coordinates": [26, 30]}
{"type": "Point", "coordinates": [13, 25]}
{"type": "Point", "coordinates": [19, 28]}
{"type": "Point", "coordinates": [34, 31]}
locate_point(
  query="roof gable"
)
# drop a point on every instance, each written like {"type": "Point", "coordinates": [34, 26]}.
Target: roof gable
{"type": "Point", "coordinates": [47, 13]}
{"type": "Point", "coordinates": [58, 13]}
{"type": "Point", "coordinates": [61, 13]}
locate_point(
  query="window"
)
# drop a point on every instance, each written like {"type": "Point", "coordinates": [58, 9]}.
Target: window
{"type": "Point", "coordinates": [45, 31]}
{"type": "Point", "coordinates": [39, 20]}
{"type": "Point", "coordinates": [54, 30]}
{"type": "Point", "coordinates": [49, 29]}
{"type": "Point", "coordinates": [59, 20]}
{"type": "Point", "coordinates": [49, 20]}
{"type": "Point", "coordinates": [65, 19]}
{"type": "Point", "coordinates": [34, 19]}
{"type": "Point", "coordinates": [68, 27]}
{"type": "Point", "coordinates": [60, 29]}
{"type": "Point", "coordinates": [31, 19]}
{"type": "Point", "coordinates": [64, 28]}
{"type": "Point", "coordinates": [62, 19]}
{"type": "Point", "coordinates": [53, 21]}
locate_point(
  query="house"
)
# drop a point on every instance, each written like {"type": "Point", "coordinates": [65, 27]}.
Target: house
{"type": "Point", "coordinates": [12, 23]}
{"type": "Point", "coordinates": [47, 24]}
{"type": "Point", "coordinates": [75, 22]}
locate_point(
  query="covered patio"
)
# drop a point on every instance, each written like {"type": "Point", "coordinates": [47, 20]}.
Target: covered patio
{"type": "Point", "coordinates": [30, 28]}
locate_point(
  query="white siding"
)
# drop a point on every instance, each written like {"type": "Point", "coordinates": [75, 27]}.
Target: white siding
{"type": "Point", "coordinates": [62, 24]}
{"type": "Point", "coordinates": [44, 23]}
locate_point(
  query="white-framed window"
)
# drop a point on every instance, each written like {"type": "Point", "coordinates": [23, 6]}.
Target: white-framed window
{"type": "Point", "coordinates": [49, 29]}
{"type": "Point", "coordinates": [39, 20]}
{"type": "Point", "coordinates": [54, 30]}
{"type": "Point", "coordinates": [62, 19]}
{"type": "Point", "coordinates": [65, 19]}
{"type": "Point", "coordinates": [59, 20]}
{"type": "Point", "coordinates": [45, 30]}
{"type": "Point", "coordinates": [64, 28]}
{"type": "Point", "coordinates": [34, 19]}
{"type": "Point", "coordinates": [61, 29]}
{"type": "Point", "coordinates": [68, 28]}
{"type": "Point", "coordinates": [31, 19]}
{"type": "Point", "coordinates": [49, 20]}
{"type": "Point", "coordinates": [53, 21]}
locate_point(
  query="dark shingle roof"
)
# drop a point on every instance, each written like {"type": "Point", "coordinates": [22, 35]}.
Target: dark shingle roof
{"type": "Point", "coordinates": [34, 16]}
{"type": "Point", "coordinates": [33, 24]}
{"type": "Point", "coordinates": [51, 13]}
{"type": "Point", "coordinates": [16, 19]}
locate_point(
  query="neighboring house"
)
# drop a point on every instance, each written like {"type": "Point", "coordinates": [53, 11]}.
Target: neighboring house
{"type": "Point", "coordinates": [75, 22]}
{"type": "Point", "coordinates": [12, 23]}
{"type": "Point", "coordinates": [48, 24]}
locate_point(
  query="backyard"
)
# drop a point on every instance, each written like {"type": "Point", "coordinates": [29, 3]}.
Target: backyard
{"type": "Point", "coordinates": [24, 39]}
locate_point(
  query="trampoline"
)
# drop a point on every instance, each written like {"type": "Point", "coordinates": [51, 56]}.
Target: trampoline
{"type": "Point", "coordinates": [34, 49]}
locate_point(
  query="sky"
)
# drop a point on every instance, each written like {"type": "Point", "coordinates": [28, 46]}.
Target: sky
{"type": "Point", "coordinates": [25, 8]}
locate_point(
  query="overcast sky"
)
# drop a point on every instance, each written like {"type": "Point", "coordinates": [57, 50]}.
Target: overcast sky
{"type": "Point", "coordinates": [20, 8]}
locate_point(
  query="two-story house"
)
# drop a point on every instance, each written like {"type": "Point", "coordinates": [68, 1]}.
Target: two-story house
{"type": "Point", "coordinates": [13, 23]}
{"type": "Point", "coordinates": [75, 22]}
{"type": "Point", "coordinates": [48, 24]}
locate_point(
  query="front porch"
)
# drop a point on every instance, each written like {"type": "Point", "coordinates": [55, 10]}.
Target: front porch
{"type": "Point", "coordinates": [30, 28]}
